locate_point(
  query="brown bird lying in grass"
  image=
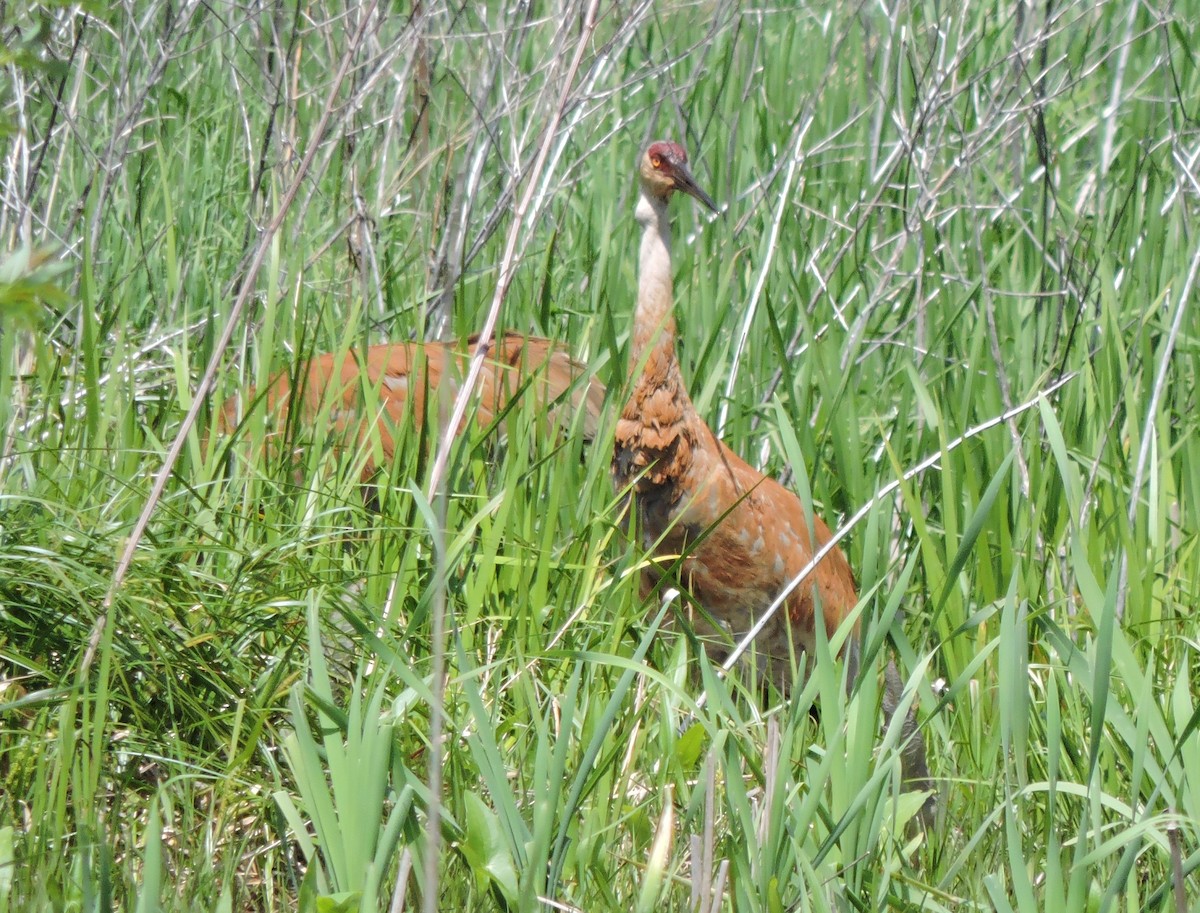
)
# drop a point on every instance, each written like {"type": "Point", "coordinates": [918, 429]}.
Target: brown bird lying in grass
{"type": "Point", "coordinates": [403, 377]}
{"type": "Point", "coordinates": [742, 534]}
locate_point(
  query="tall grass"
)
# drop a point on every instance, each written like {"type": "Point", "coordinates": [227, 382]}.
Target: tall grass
{"type": "Point", "coordinates": [957, 257]}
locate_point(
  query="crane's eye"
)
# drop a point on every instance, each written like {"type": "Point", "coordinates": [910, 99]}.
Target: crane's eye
{"type": "Point", "coordinates": [655, 161]}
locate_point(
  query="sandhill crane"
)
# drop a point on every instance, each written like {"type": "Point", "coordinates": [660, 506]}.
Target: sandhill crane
{"type": "Point", "coordinates": [742, 534]}
{"type": "Point", "coordinates": [398, 379]}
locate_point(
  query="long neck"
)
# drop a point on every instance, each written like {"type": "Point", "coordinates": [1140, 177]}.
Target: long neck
{"type": "Point", "coordinates": [652, 349]}
{"type": "Point", "coordinates": [659, 428]}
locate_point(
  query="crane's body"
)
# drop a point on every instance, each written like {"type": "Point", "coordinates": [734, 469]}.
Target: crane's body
{"type": "Point", "coordinates": [742, 535]}
{"type": "Point", "coordinates": [400, 378]}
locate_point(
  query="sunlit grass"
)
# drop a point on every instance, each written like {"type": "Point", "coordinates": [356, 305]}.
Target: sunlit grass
{"type": "Point", "coordinates": [930, 218]}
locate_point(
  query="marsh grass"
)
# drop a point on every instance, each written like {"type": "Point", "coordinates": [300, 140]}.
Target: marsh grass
{"type": "Point", "coordinates": [934, 217]}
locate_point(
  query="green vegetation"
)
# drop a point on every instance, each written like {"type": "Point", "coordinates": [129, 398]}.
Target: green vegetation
{"type": "Point", "coordinates": [945, 217]}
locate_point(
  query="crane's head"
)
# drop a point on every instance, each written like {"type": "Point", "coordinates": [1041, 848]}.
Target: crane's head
{"type": "Point", "coordinates": [665, 169]}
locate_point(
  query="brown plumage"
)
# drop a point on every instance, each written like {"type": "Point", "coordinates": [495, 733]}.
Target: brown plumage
{"type": "Point", "coordinates": [404, 375]}
{"type": "Point", "coordinates": [744, 535]}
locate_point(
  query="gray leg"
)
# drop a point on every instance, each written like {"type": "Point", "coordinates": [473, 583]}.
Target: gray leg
{"type": "Point", "coordinates": [912, 757]}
